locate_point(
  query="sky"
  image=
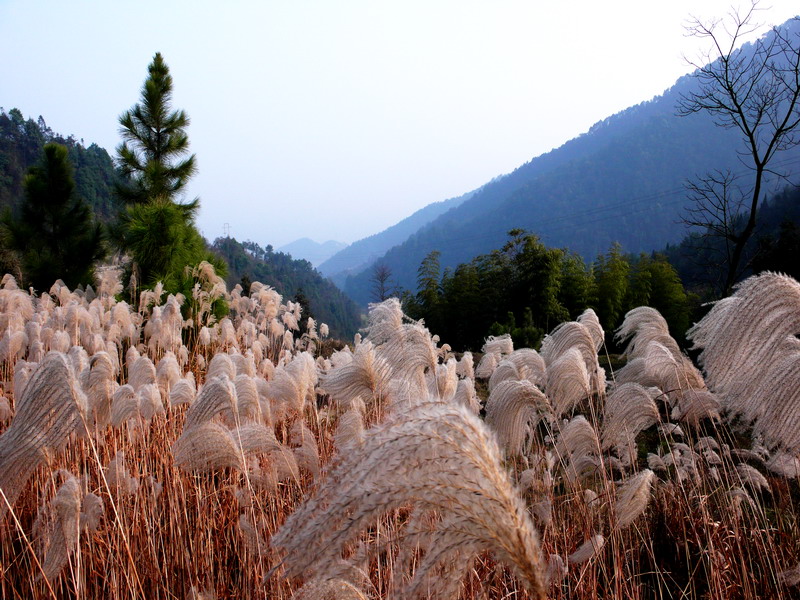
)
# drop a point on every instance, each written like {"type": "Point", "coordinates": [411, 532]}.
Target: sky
{"type": "Point", "coordinates": [336, 119]}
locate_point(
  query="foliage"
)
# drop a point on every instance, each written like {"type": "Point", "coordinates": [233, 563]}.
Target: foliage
{"type": "Point", "coordinates": [293, 279]}
{"type": "Point", "coordinates": [154, 139]}
{"type": "Point", "coordinates": [157, 231]}
{"type": "Point", "coordinates": [524, 288]}
{"type": "Point", "coordinates": [21, 145]}
{"type": "Point", "coordinates": [55, 235]}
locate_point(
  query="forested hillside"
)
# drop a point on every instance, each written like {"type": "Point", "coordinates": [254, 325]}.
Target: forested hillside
{"type": "Point", "coordinates": [362, 253]}
{"type": "Point", "coordinates": [623, 181]}
{"type": "Point", "coordinates": [293, 279]}
{"type": "Point", "coordinates": [21, 145]}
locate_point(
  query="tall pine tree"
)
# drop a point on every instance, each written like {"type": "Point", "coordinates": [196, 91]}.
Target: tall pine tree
{"type": "Point", "coordinates": [55, 234]}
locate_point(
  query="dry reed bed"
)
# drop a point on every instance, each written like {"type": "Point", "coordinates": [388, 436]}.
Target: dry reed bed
{"type": "Point", "coordinates": [144, 455]}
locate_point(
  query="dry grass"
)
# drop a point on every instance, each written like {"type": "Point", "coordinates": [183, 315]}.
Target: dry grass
{"type": "Point", "coordinates": [152, 456]}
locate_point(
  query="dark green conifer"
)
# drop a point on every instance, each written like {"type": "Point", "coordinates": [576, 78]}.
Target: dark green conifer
{"type": "Point", "coordinates": [55, 235]}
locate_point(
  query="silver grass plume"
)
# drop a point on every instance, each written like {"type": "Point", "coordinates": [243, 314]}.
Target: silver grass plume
{"type": "Point", "coordinates": [752, 477]}
{"type": "Point", "coordinates": [118, 477]}
{"type": "Point", "coordinates": [628, 410]}
{"type": "Point", "coordinates": [487, 365]}
{"type": "Point", "coordinates": [437, 455]}
{"type": "Point", "coordinates": [365, 375]}
{"type": "Point", "coordinates": [587, 550]}
{"type": "Point", "coordinates": [588, 318]}
{"type": "Point", "coordinates": [410, 352]}
{"type": "Point", "coordinates": [142, 372]}
{"type": "Point", "coordinates": [501, 344]}
{"type": "Point", "coordinates": [57, 526]}
{"type": "Point", "coordinates": [385, 320]}
{"type": "Point", "coordinates": [218, 397]}
{"type": "Point", "coordinates": [514, 407]}
{"type": "Point", "coordinates": [184, 391]}
{"type": "Point", "coordinates": [785, 464]}
{"type": "Point", "coordinates": [633, 497]}
{"type": "Point", "coordinates": [444, 380]}
{"type": "Point", "coordinates": [466, 366]}
{"type": "Point", "coordinates": [51, 408]}
{"type": "Point", "coordinates": [207, 446]}
{"type": "Point", "coordinates": [520, 364]}
{"type": "Point", "coordinates": [100, 387]}
{"type": "Point", "coordinates": [641, 326]}
{"type": "Point", "coordinates": [221, 365]}
{"type": "Point", "coordinates": [740, 336]}
{"type": "Point", "coordinates": [568, 381]}
{"type": "Point", "coordinates": [466, 395]}
{"type": "Point", "coordinates": [349, 432]}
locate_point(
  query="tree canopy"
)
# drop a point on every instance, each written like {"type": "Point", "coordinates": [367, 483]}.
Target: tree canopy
{"type": "Point", "coordinates": [55, 235]}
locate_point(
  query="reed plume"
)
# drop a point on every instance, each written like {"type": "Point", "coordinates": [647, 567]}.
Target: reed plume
{"type": "Point", "coordinates": [513, 408]}
{"type": "Point", "coordinates": [51, 408]}
{"type": "Point", "coordinates": [438, 456]}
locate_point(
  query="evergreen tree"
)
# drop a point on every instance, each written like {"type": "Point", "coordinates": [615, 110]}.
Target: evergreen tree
{"type": "Point", "coordinates": [55, 235]}
{"type": "Point", "coordinates": [158, 232]}
{"type": "Point", "coordinates": [154, 139]}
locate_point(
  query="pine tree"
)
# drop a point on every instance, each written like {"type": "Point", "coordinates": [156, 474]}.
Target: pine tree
{"type": "Point", "coordinates": [154, 139]}
{"type": "Point", "coordinates": [55, 234]}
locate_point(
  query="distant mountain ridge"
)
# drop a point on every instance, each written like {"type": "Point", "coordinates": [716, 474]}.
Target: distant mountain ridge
{"type": "Point", "coordinates": [622, 181]}
{"type": "Point", "coordinates": [314, 252]}
{"type": "Point", "coordinates": [361, 254]}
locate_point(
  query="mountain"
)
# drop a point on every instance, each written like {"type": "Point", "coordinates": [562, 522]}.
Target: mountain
{"type": "Point", "coordinates": [622, 181]}
{"type": "Point", "coordinates": [361, 254]}
{"type": "Point", "coordinates": [292, 279]}
{"type": "Point", "coordinates": [313, 252]}
{"type": "Point", "coordinates": [21, 145]}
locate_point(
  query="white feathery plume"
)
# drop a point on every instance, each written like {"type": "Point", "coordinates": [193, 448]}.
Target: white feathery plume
{"type": "Point", "coordinates": [142, 372]}
{"type": "Point", "coordinates": [184, 391]}
{"type": "Point", "coordinates": [628, 410]}
{"type": "Point", "coordinates": [22, 374]}
{"type": "Point", "coordinates": [349, 432]}
{"type": "Point", "coordinates": [385, 319]}
{"type": "Point", "coordinates": [692, 406]}
{"type": "Point", "coordinates": [568, 381]}
{"type": "Point", "coordinates": [247, 398]}
{"type": "Point", "coordinates": [514, 407]}
{"type": "Point", "coordinates": [118, 477]}
{"type": "Point", "coordinates": [439, 456]}
{"type": "Point", "coordinates": [51, 408]}
{"type": "Point", "coordinates": [444, 380]}
{"type": "Point", "coordinates": [149, 401]}
{"type": "Point", "coordinates": [466, 395]}
{"type": "Point", "coordinates": [633, 497]}
{"type": "Point", "coordinates": [218, 397]}
{"type": "Point", "coordinates": [168, 372]}
{"type": "Point", "coordinates": [752, 477]}
{"type": "Point", "coordinates": [501, 344]}
{"type": "Point", "coordinates": [5, 409]}
{"type": "Point", "coordinates": [57, 528]}
{"type": "Point", "coordinates": [641, 326]}
{"type": "Point", "coordinates": [587, 550]}
{"type": "Point", "coordinates": [124, 405]}
{"type": "Point", "coordinates": [785, 464]}
{"type": "Point", "coordinates": [363, 375]}
{"type": "Point", "coordinates": [487, 365]}
{"type": "Point", "coordinates": [466, 366]}
{"type": "Point", "coordinates": [207, 446]}
{"type": "Point", "coordinates": [100, 387]}
{"type": "Point", "coordinates": [221, 365]}
{"type": "Point", "coordinates": [588, 318]}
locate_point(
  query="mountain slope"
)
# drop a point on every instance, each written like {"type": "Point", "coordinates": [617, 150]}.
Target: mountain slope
{"type": "Point", "coordinates": [359, 255]}
{"type": "Point", "coordinates": [623, 181]}
{"type": "Point", "coordinates": [313, 252]}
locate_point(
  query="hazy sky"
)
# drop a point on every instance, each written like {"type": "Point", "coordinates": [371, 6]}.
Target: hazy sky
{"type": "Point", "coordinates": [335, 119]}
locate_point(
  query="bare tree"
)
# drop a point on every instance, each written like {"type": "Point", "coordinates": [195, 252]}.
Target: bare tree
{"type": "Point", "coordinates": [753, 89]}
{"type": "Point", "coordinates": [382, 288]}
